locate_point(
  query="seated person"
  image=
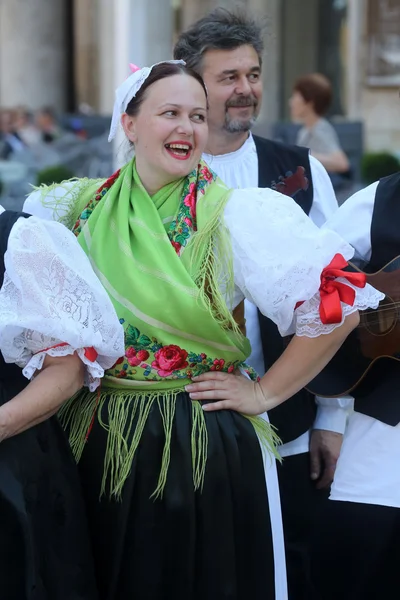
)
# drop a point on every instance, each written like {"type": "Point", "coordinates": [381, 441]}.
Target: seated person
{"type": "Point", "coordinates": [310, 100]}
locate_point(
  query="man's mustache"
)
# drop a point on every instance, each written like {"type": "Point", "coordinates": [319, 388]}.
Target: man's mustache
{"type": "Point", "coordinates": [242, 101]}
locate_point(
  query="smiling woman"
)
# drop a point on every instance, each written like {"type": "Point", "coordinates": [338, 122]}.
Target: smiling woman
{"type": "Point", "coordinates": [169, 137]}
{"type": "Point", "coordinates": [185, 511]}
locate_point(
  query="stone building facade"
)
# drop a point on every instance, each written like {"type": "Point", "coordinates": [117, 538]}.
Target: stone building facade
{"type": "Point", "coordinates": [66, 53]}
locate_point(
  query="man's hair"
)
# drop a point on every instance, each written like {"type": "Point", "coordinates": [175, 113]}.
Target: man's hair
{"type": "Point", "coordinates": [221, 29]}
{"type": "Point", "coordinates": [317, 89]}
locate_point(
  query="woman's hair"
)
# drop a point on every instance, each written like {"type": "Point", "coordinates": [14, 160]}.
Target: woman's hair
{"type": "Point", "coordinates": [159, 72]}
{"type": "Point", "coordinates": [317, 89]}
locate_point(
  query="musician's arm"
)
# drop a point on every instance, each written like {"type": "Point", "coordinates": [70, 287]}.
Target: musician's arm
{"type": "Point", "coordinates": [332, 413]}
{"type": "Point", "coordinates": [353, 222]}
{"type": "Point", "coordinates": [326, 438]}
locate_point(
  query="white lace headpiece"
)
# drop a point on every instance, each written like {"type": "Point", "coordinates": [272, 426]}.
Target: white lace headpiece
{"type": "Point", "coordinates": [128, 90]}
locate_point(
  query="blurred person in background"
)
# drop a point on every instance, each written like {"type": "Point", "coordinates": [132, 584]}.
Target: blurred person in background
{"type": "Point", "coordinates": [47, 124]}
{"type": "Point", "coordinates": [310, 101]}
{"type": "Point", "coordinates": [24, 124]}
{"type": "Point", "coordinates": [10, 140]}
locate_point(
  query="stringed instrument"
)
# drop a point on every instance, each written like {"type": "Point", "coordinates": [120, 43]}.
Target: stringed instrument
{"type": "Point", "coordinates": [377, 336]}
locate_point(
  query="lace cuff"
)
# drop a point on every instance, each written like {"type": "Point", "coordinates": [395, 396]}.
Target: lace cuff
{"type": "Point", "coordinates": [93, 371]}
{"type": "Point", "coordinates": [307, 321]}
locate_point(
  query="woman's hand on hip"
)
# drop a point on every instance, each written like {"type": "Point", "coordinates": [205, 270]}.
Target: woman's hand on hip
{"type": "Point", "coordinates": [228, 391]}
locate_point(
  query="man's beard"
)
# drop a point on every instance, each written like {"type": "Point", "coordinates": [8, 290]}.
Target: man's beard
{"type": "Point", "coordinates": [239, 125]}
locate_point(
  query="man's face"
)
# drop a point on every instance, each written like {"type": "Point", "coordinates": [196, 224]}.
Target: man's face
{"type": "Point", "coordinates": [233, 80]}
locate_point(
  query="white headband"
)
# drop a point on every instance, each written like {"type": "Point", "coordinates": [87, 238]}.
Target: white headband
{"type": "Point", "coordinates": [128, 90]}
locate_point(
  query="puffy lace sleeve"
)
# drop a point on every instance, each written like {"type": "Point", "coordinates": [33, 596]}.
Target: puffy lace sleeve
{"type": "Point", "coordinates": [51, 302]}
{"type": "Point", "coordinates": [289, 268]}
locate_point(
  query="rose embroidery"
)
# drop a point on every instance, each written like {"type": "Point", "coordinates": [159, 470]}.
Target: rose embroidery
{"type": "Point", "coordinates": [190, 200]}
{"type": "Point", "coordinates": [169, 359]}
{"type": "Point", "coordinates": [165, 361]}
{"type": "Point", "coordinates": [208, 176]}
{"type": "Point", "coordinates": [185, 224]}
{"type": "Point", "coordinates": [218, 364]}
{"type": "Point", "coordinates": [177, 246]}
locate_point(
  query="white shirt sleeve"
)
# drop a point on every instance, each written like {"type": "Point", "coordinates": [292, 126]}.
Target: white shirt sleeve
{"type": "Point", "coordinates": [332, 413]}
{"type": "Point", "coordinates": [353, 219]}
{"type": "Point", "coordinates": [278, 257]}
{"type": "Point", "coordinates": [51, 302]}
{"type": "Point", "coordinates": [324, 200]}
{"type": "Point", "coordinates": [353, 222]}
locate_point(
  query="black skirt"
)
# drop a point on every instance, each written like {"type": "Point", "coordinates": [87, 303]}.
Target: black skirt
{"type": "Point", "coordinates": [210, 544]}
{"type": "Point", "coordinates": [45, 551]}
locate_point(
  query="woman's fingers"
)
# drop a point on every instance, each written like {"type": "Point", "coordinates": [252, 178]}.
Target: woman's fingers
{"type": "Point", "coordinates": [213, 376]}
{"type": "Point", "coordinates": [208, 394]}
{"type": "Point", "coordinates": [216, 386]}
{"type": "Point", "coordinates": [227, 392]}
{"type": "Point", "coordinates": [223, 405]}
{"type": "Point", "coordinates": [200, 386]}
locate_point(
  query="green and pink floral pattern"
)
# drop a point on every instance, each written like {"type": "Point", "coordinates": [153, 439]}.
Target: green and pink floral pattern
{"type": "Point", "coordinates": [170, 361]}
{"type": "Point", "coordinates": [185, 223]}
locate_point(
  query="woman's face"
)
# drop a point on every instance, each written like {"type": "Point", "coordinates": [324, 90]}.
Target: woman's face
{"type": "Point", "coordinates": [170, 131]}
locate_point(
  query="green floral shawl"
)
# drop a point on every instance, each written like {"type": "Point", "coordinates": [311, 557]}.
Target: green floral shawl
{"type": "Point", "coordinates": [163, 261]}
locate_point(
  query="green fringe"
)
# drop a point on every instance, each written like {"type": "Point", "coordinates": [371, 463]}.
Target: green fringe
{"type": "Point", "coordinates": [266, 433]}
{"type": "Point", "coordinates": [215, 278]}
{"type": "Point", "coordinates": [125, 417]}
{"type": "Point", "coordinates": [167, 410]}
{"type": "Point", "coordinates": [199, 445]}
{"type": "Point", "coordinates": [67, 208]}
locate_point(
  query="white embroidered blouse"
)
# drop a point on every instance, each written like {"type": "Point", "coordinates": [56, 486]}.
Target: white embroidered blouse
{"type": "Point", "coordinates": [52, 303]}
{"type": "Point", "coordinates": [278, 256]}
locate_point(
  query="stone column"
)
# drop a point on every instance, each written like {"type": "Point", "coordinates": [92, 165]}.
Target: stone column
{"type": "Point", "coordinates": [33, 37]}
{"type": "Point", "coordinates": [106, 55]}
{"type": "Point", "coordinates": [86, 45]}
{"type": "Point", "coordinates": [269, 12]}
{"type": "Point", "coordinates": [192, 10]}
{"type": "Point", "coordinates": [299, 36]}
{"type": "Point", "coordinates": [143, 33]}
{"type": "Point", "coordinates": [151, 31]}
{"type": "Point", "coordinates": [356, 10]}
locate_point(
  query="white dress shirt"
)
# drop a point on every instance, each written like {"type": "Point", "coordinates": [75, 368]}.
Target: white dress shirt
{"type": "Point", "coordinates": [368, 469]}
{"type": "Point", "coordinates": [239, 169]}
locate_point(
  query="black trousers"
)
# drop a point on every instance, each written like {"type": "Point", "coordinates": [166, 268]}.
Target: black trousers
{"type": "Point", "coordinates": [302, 503]}
{"type": "Point", "coordinates": [356, 552]}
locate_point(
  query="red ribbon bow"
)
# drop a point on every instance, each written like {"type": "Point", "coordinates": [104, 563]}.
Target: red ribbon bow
{"type": "Point", "coordinates": [334, 292]}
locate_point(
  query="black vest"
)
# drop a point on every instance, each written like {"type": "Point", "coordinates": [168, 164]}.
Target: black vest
{"type": "Point", "coordinates": [286, 169]}
{"type": "Point", "coordinates": [379, 393]}
{"type": "Point", "coordinates": [10, 375]}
